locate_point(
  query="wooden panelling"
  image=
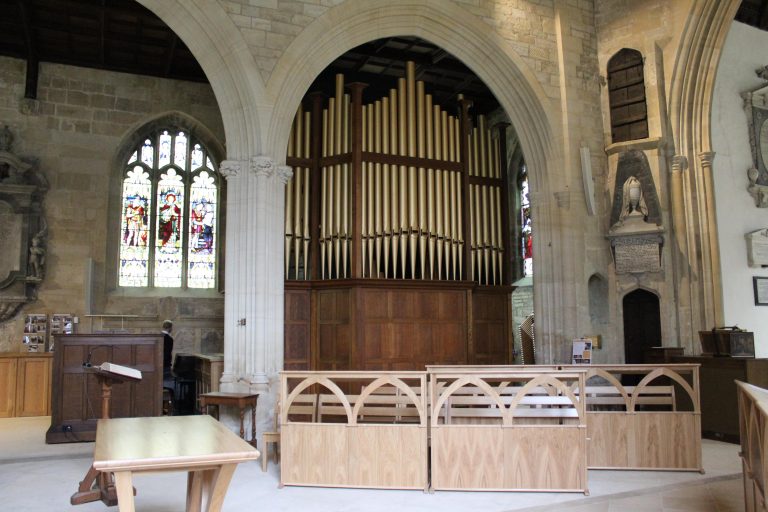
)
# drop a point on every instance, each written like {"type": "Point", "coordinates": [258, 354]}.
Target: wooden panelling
{"type": "Point", "coordinates": [667, 440]}
{"type": "Point", "coordinates": [7, 386]}
{"type": "Point", "coordinates": [76, 397]}
{"type": "Point", "coordinates": [314, 454]}
{"type": "Point", "coordinates": [387, 456]}
{"type": "Point", "coordinates": [753, 429]}
{"type": "Point", "coordinates": [381, 325]}
{"type": "Point", "coordinates": [25, 384]}
{"type": "Point", "coordinates": [33, 387]}
{"type": "Point", "coordinates": [297, 329]}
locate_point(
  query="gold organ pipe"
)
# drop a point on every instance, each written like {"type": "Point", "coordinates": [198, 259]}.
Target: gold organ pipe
{"type": "Point", "coordinates": [324, 197]}
{"type": "Point", "coordinates": [307, 153]}
{"type": "Point", "coordinates": [331, 171]}
{"type": "Point", "coordinates": [395, 178]}
{"type": "Point", "coordinates": [369, 185]}
{"type": "Point", "coordinates": [412, 191]}
{"type": "Point", "coordinates": [439, 132]}
{"type": "Point", "coordinates": [378, 228]}
{"type": "Point", "coordinates": [475, 156]}
{"type": "Point", "coordinates": [385, 182]}
{"type": "Point", "coordinates": [455, 201]}
{"type": "Point", "coordinates": [297, 183]}
{"type": "Point", "coordinates": [472, 235]}
{"type": "Point", "coordinates": [459, 178]}
{"type": "Point", "coordinates": [430, 135]}
{"type": "Point", "coordinates": [483, 148]}
{"type": "Point", "coordinates": [449, 151]}
{"type": "Point", "coordinates": [345, 193]}
{"type": "Point", "coordinates": [422, 177]}
{"type": "Point", "coordinates": [493, 208]}
{"type": "Point", "coordinates": [403, 190]}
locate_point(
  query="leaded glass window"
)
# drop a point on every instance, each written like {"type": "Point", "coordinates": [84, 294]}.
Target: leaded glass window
{"type": "Point", "coordinates": [169, 217]}
{"type": "Point", "coordinates": [526, 231]}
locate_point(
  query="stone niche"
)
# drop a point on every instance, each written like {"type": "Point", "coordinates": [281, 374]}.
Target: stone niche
{"type": "Point", "coordinates": [756, 106]}
{"type": "Point", "coordinates": [23, 230]}
{"type": "Point", "coordinates": [635, 234]}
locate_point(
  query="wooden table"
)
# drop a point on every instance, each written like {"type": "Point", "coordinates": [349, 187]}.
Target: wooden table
{"type": "Point", "coordinates": [203, 447]}
{"type": "Point", "coordinates": [239, 400]}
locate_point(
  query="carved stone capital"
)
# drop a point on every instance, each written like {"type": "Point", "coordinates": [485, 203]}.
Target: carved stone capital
{"type": "Point", "coordinates": [679, 163]}
{"type": "Point", "coordinates": [706, 158]}
{"type": "Point", "coordinates": [262, 166]}
{"type": "Point", "coordinates": [284, 173]}
{"type": "Point", "coordinates": [230, 168]}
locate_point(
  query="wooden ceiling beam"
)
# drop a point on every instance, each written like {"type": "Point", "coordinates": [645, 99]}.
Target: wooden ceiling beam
{"type": "Point", "coordinates": [33, 63]}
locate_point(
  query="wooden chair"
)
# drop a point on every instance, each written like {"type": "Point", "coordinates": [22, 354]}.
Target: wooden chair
{"type": "Point", "coordinates": [305, 405]}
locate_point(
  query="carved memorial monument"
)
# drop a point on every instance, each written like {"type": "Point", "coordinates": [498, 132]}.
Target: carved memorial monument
{"type": "Point", "coordinates": [636, 239]}
{"type": "Point", "coordinates": [23, 229]}
{"type": "Point", "coordinates": [756, 106]}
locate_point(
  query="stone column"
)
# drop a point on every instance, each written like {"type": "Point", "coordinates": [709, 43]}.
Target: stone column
{"type": "Point", "coordinates": [234, 171]}
{"type": "Point", "coordinates": [254, 279]}
{"type": "Point", "coordinates": [680, 249]}
{"type": "Point", "coordinates": [712, 285]}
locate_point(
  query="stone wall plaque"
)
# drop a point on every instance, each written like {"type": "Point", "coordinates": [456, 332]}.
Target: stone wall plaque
{"type": "Point", "coordinates": [637, 254]}
{"type": "Point", "coordinates": [757, 248]}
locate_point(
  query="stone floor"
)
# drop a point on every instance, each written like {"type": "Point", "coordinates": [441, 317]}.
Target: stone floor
{"type": "Point", "coordinates": [38, 477]}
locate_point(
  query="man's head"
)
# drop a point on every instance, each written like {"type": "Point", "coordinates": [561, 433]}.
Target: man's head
{"type": "Point", "coordinates": [167, 325]}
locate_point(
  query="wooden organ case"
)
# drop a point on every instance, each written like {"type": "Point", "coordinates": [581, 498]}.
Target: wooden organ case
{"type": "Point", "coordinates": [397, 242]}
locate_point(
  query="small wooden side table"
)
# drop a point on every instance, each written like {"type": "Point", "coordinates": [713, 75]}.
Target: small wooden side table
{"type": "Point", "coordinates": [239, 400]}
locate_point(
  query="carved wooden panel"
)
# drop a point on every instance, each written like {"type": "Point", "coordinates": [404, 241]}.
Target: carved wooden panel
{"type": "Point", "coordinates": [491, 337]}
{"type": "Point", "coordinates": [297, 329]}
{"type": "Point", "coordinates": [334, 330]}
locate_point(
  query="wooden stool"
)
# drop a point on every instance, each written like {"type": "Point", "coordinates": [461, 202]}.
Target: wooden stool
{"type": "Point", "coordinates": [239, 400]}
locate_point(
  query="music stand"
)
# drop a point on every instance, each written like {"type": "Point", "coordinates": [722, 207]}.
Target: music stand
{"type": "Point", "coordinates": [97, 485]}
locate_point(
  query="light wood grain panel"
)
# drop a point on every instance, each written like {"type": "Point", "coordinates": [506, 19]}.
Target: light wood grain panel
{"type": "Point", "coordinates": [388, 456]}
{"type": "Point", "coordinates": [466, 457]}
{"type": "Point", "coordinates": [314, 454]}
{"type": "Point", "coordinates": [609, 435]}
{"type": "Point", "coordinates": [33, 387]}
{"type": "Point", "coordinates": [545, 458]}
{"type": "Point", "coordinates": [7, 386]}
{"type": "Point", "coordinates": [667, 440]}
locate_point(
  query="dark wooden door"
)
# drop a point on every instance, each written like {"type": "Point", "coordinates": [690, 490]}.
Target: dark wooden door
{"type": "Point", "coordinates": [642, 325]}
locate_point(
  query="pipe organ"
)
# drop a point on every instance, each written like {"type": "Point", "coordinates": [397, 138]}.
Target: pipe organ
{"type": "Point", "coordinates": [397, 252]}
{"type": "Point", "coordinates": [406, 190]}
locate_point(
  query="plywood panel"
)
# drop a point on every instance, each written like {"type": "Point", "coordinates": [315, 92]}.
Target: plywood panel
{"type": "Point", "coordinates": [313, 454]}
{"type": "Point", "coordinates": [609, 438]}
{"type": "Point", "coordinates": [466, 457]}
{"type": "Point", "coordinates": [388, 456]}
{"type": "Point", "coordinates": [539, 458]}
{"type": "Point", "coordinates": [667, 440]}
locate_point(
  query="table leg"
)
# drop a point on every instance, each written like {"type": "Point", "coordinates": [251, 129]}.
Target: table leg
{"type": "Point", "coordinates": [194, 491]}
{"type": "Point", "coordinates": [242, 430]}
{"type": "Point", "coordinates": [215, 485]}
{"type": "Point", "coordinates": [254, 442]}
{"type": "Point", "coordinates": [124, 487]}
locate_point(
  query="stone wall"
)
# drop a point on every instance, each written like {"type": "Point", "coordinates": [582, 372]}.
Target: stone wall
{"type": "Point", "coordinates": [83, 116]}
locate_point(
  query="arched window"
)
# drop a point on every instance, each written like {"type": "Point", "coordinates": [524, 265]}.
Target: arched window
{"type": "Point", "coordinates": [626, 96]}
{"type": "Point", "coordinates": [169, 213]}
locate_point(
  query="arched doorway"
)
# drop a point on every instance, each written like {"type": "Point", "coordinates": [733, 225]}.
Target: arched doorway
{"type": "Point", "coordinates": [642, 324]}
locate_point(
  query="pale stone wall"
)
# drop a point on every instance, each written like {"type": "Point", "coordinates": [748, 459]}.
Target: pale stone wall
{"type": "Point", "coordinates": [84, 115]}
{"type": "Point", "coordinates": [737, 214]}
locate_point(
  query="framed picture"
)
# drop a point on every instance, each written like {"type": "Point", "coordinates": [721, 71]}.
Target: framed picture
{"type": "Point", "coordinates": [761, 290]}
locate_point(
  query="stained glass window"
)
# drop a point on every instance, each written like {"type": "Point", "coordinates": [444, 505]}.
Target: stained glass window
{"type": "Point", "coordinates": [526, 232]}
{"type": "Point", "coordinates": [169, 217]}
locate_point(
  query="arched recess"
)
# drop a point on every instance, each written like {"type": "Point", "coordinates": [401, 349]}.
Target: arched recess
{"type": "Point", "coordinates": [642, 323]}
{"type": "Point", "coordinates": [690, 107]}
{"type": "Point", "coordinates": [223, 54]}
{"type": "Point", "coordinates": [472, 41]}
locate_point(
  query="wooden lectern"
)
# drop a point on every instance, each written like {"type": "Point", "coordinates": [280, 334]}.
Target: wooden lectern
{"type": "Point", "coordinates": [96, 485]}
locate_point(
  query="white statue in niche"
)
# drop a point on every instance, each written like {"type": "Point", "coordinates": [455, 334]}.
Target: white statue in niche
{"type": "Point", "coordinates": [634, 210]}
